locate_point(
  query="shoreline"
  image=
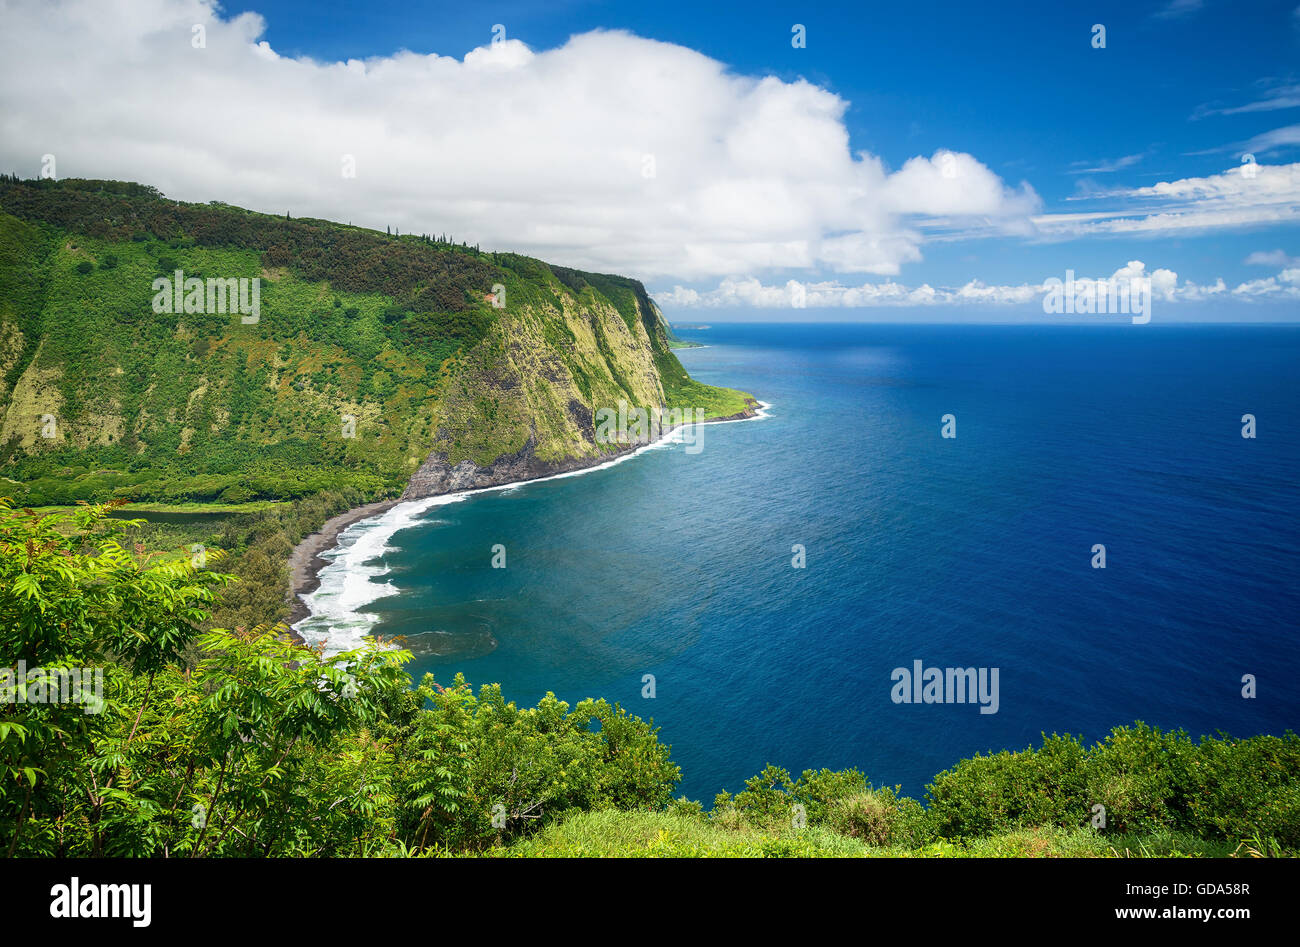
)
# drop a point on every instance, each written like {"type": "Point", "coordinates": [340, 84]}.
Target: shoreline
{"type": "Point", "coordinates": [305, 561]}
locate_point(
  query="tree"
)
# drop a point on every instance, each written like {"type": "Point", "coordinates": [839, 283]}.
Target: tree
{"type": "Point", "coordinates": [247, 743]}
{"type": "Point", "coordinates": [164, 757]}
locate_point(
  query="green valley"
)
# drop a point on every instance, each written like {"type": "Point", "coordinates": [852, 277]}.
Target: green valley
{"type": "Point", "coordinates": [372, 355]}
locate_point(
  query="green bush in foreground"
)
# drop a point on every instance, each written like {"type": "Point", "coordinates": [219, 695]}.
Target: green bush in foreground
{"type": "Point", "coordinates": [220, 743]}
{"type": "Point", "coordinates": [257, 746]}
{"type": "Point", "coordinates": [1148, 781]}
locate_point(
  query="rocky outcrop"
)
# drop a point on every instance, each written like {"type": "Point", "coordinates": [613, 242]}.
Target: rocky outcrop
{"type": "Point", "coordinates": [437, 475]}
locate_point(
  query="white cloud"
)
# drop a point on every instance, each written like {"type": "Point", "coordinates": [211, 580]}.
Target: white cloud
{"type": "Point", "coordinates": [1178, 8]}
{"type": "Point", "coordinates": [1277, 138]}
{"type": "Point", "coordinates": [955, 184]}
{"type": "Point", "coordinates": [1107, 166]}
{"type": "Point", "coordinates": [539, 151]}
{"type": "Point", "coordinates": [1250, 194]}
{"type": "Point", "coordinates": [1286, 284]}
{"type": "Point", "coordinates": [1284, 95]}
{"type": "Point", "coordinates": [1192, 292]}
{"type": "Point", "coordinates": [833, 294]}
{"type": "Point", "coordinates": [1272, 258]}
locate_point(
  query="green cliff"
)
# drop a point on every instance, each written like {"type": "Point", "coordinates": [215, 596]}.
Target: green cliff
{"type": "Point", "coordinates": [375, 362]}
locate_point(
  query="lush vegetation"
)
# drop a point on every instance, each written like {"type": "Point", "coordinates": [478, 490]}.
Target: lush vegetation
{"type": "Point", "coordinates": [218, 743]}
{"type": "Point", "coordinates": [369, 352]}
{"type": "Point", "coordinates": [217, 735]}
{"type": "Point", "coordinates": [241, 743]}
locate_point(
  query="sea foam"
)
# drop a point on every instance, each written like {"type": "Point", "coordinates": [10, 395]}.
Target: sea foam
{"type": "Point", "coordinates": [337, 616]}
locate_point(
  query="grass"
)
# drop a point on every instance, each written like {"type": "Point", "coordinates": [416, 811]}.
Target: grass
{"type": "Point", "coordinates": [614, 834]}
{"type": "Point", "coordinates": [683, 391]}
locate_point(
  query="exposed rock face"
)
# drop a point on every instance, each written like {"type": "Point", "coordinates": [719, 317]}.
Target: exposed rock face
{"type": "Point", "coordinates": [524, 402]}
{"type": "Point", "coordinates": [437, 476]}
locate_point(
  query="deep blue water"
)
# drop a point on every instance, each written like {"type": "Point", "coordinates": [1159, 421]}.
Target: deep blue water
{"type": "Point", "coordinates": [973, 551]}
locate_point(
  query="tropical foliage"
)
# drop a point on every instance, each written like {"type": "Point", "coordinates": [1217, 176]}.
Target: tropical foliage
{"type": "Point", "coordinates": [236, 743]}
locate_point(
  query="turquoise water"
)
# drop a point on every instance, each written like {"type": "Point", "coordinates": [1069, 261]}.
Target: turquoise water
{"type": "Point", "coordinates": [973, 551]}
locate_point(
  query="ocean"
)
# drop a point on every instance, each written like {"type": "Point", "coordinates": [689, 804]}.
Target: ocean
{"type": "Point", "coordinates": [970, 551]}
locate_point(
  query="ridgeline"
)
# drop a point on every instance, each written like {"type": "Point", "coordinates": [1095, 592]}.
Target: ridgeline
{"type": "Point", "coordinates": [370, 355]}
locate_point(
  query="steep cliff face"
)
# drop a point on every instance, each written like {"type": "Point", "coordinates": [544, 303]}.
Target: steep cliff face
{"type": "Point", "coordinates": [528, 398]}
{"type": "Point", "coordinates": [378, 363]}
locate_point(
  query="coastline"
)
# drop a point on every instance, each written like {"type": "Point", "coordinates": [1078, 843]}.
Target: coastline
{"type": "Point", "coordinates": [306, 560]}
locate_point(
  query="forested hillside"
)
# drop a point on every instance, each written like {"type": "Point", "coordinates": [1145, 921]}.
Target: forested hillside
{"type": "Point", "coordinates": [369, 352]}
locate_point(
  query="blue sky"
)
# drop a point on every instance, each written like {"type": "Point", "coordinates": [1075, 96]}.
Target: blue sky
{"type": "Point", "coordinates": [1043, 125]}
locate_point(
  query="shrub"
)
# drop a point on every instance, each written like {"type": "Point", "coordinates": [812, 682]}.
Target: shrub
{"type": "Point", "coordinates": [767, 799]}
{"type": "Point", "coordinates": [1007, 790]}
{"type": "Point", "coordinates": [474, 770]}
{"type": "Point", "coordinates": [817, 789]}
{"type": "Point", "coordinates": [879, 817]}
{"type": "Point", "coordinates": [686, 808]}
{"type": "Point", "coordinates": [1140, 775]}
{"type": "Point", "coordinates": [863, 816]}
{"type": "Point", "coordinates": [1242, 788]}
